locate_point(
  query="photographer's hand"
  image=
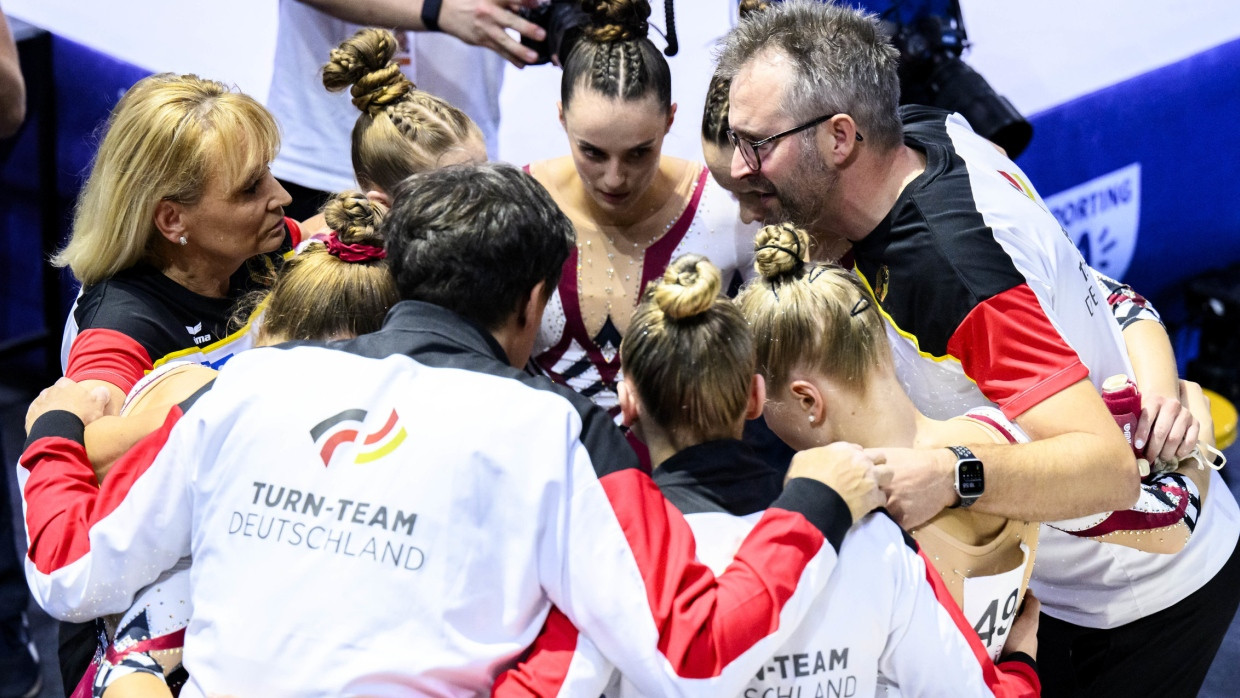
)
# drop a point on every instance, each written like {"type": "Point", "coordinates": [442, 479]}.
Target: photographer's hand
{"type": "Point", "coordinates": [476, 22]}
{"type": "Point", "coordinates": [483, 23]}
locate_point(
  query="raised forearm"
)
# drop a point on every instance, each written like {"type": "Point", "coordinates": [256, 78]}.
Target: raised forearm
{"type": "Point", "coordinates": [396, 14]}
{"type": "Point", "coordinates": [1153, 360]}
{"type": "Point", "coordinates": [1064, 476]}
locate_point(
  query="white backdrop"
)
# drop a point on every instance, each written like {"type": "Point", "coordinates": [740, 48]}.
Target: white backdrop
{"type": "Point", "coordinates": [1038, 54]}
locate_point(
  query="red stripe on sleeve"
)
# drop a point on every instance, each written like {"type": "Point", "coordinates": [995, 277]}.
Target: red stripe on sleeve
{"type": "Point", "coordinates": [294, 231]}
{"type": "Point", "coordinates": [1017, 681]}
{"type": "Point", "coordinates": [704, 622]}
{"type": "Point", "coordinates": [63, 498]}
{"type": "Point", "coordinates": [109, 356]}
{"type": "Point", "coordinates": [545, 668]}
{"type": "Point", "coordinates": [1010, 348]}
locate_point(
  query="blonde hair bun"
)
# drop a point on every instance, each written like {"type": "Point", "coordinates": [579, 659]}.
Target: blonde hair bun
{"type": "Point", "coordinates": [355, 218]}
{"type": "Point", "coordinates": [780, 249]}
{"type": "Point", "coordinates": [750, 6]}
{"type": "Point", "coordinates": [689, 287]}
{"type": "Point", "coordinates": [365, 61]}
{"type": "Point", "coordinates": [616, 20]}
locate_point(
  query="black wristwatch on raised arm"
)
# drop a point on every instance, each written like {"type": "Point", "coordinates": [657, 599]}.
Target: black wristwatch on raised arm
{"type": "Point", "coordinates": [970, 477]}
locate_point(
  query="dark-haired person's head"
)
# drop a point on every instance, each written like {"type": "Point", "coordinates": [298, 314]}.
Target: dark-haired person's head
{"type": "Point", "coordinates": [754, 196]}
{"type": "Point", "coordinates": [484, 241]}
{"type": "Point", "coordinates": [616, 104]}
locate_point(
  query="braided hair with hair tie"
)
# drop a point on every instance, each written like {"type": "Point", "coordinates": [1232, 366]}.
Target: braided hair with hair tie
{"type": "Point", "coordinates": [617, 20]}
{"type": "Point", "coordinates": [365, 62]}
{"type": "Point", "coordinates": [614, 57]}
{"type": "Point", "coordinates": [780, 250]}
{"type": "Point", "coordinates": [401, 130]}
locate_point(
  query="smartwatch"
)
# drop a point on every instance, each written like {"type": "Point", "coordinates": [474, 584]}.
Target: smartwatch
{"type": "Point", "coordinates": [970, 478]}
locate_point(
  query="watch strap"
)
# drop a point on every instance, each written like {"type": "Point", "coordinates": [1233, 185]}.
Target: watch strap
{"type": "Point", "coordinates": [961, 452]}
{"type": "Point", "coordinates": [430, 14]}
{"type": "Point", "coordinates": [962, 502]}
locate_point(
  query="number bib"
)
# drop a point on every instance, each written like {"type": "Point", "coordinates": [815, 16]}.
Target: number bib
{"type": "Point", "coordinates": [991, 602]}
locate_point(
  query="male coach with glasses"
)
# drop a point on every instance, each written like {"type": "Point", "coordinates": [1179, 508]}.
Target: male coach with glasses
{"type": "Point", "coordinates": [988, 302]}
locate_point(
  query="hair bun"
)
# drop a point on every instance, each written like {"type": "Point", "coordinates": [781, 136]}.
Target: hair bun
{"type": "Point", "coordinates": [689, 287]}
{"type": "Point", "coordinates": [616, 20]}
{"type": "Point", "coordinates": [364, 61]}
{"type": "Point", "coordinates": [355, 218]}
{"type": "Point", "coordinates": [780, 249]}
{"type": "Point", "coordinates": [748, 7]}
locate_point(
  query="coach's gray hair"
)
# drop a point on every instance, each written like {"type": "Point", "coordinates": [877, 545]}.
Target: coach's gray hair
{"type": "Point", "coordinates": [842, 59]}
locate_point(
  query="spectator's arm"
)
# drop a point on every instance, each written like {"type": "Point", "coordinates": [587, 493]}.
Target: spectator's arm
{"type": "Point", "coordinates": [476, 22]}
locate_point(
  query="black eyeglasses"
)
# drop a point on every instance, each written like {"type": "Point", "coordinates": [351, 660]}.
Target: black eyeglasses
{"type": "Point", "coordinates": [749, 149]}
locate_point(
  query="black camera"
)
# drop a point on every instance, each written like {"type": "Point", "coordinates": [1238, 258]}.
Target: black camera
{"type": "Point", "coordinates": [932, 73]}
{"type": "Point", "coordinates": [563, 21]}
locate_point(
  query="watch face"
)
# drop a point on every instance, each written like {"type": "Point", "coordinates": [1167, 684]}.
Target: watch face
{"type": "Point", "coordinates": [969, 475]}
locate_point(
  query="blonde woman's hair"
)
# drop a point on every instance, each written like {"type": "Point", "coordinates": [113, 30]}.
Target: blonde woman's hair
{"type": "Point", "coordinates": [401, 130]}
{"type": "Point", "coordinates": [815, 317]}
{"type": "Point", "coordinates": [165, 139]}
{"type": "Point", "coordinates": [317, 295]}
{"type": "Point", "coordinates": [690, 354]}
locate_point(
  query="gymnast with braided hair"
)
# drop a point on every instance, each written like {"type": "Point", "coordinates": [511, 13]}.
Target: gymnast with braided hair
{"type": "Point", "coordinates": [335, 288]}
{"type": "Point", "coordinates": [634, 209]}
{"type": "Point", "coordinates": [401, 130]}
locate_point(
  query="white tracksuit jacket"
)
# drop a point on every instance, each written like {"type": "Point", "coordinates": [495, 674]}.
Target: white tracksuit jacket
{"type": "Point", "coordinates": [396, 515]}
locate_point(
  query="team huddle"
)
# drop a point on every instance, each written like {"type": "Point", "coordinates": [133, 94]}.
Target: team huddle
{"type": "Point", "coordinates": [836, 413]}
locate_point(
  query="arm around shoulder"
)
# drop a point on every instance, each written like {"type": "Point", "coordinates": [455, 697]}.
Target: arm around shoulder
{"type": "Point", "coordinates": [1077, 464]}
{"type": "Point", "coordinates": [703, 634]}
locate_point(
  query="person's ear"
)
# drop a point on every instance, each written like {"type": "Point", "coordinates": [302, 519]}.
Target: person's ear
{"type": "Point", "coordinates": [840, 134]}
{"type": "Point", "coordinates": [530, 309]}
{"type": "Point", "coordinates": [170, 220]}
{"type": "Point", "coordinates": [630, 406]}
{"type": "Point", "coordinates": [559, 113]}
{"type": "Point", "coordinates": [380, 197]}
{"type": "Point", "coordinates": [809, 398]}
{"type": "Point", "coordinates": [757, 397]}
{"type": "Point", "coordinates": [671, 116]}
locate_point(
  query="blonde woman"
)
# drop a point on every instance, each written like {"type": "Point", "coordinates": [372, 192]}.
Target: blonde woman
{"type": "Point", "coordinates": [179, 218]}
{"type": "Point", "coordinates": [822, 348]}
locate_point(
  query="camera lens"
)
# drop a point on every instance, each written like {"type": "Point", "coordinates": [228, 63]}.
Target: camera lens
{"type": "Point", "coordinates": [956, 86]}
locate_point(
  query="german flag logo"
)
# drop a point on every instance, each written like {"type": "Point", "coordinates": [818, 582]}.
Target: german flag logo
{"type": "Point", "coordinates": [347, 428]}
{"type": "Point", "coordinates": [1018, 183]}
